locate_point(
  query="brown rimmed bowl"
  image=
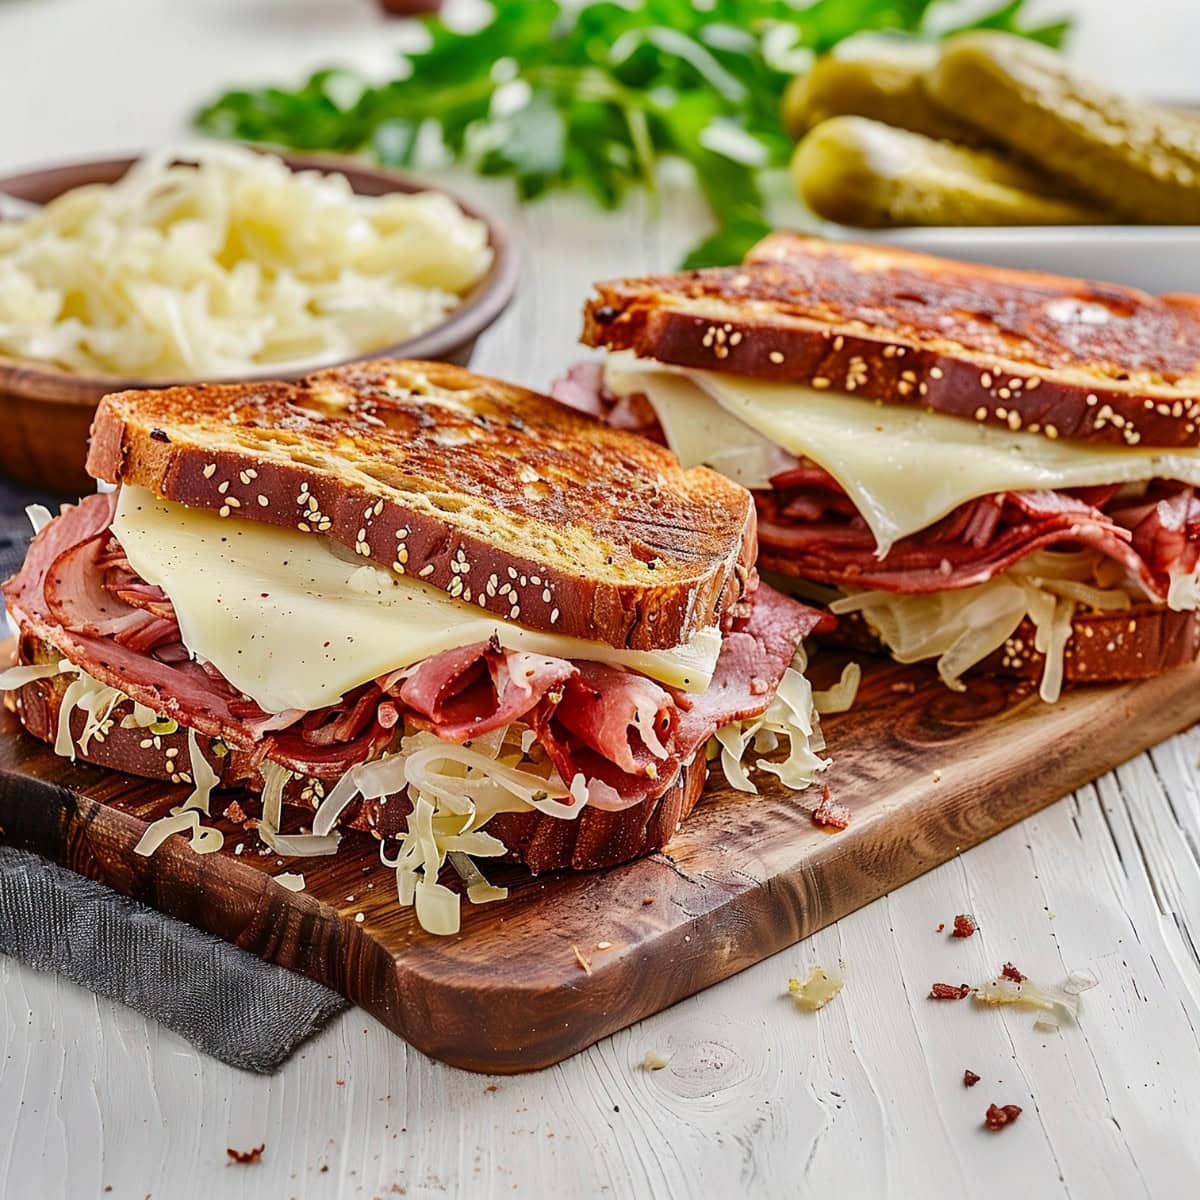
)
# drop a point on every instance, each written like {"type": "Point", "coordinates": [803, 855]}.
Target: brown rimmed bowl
{"type": "Point", "coordinates": [46, 412]}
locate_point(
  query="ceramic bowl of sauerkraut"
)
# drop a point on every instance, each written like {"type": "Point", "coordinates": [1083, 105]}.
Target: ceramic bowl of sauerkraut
{"type": "Point", "coordinates": [219, 263]}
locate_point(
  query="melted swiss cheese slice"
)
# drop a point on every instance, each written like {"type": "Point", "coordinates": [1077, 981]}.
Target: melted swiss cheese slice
{"type": "Point", "coordinates": [903, 467]}
{"type": "Point", "coordinates": [293, 624]}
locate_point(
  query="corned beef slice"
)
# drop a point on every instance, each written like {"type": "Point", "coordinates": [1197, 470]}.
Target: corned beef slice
{"type": "Point", "coordinates": [627, 733]}
{"type": "Point", "coordinates": [809, 527]}
{"type": "Point", "coordinates": [809, 522]}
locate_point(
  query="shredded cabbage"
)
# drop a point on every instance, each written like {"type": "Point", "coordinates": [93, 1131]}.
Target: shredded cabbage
{"type": "Point", "coordinates": [204, 778]}
{"type": "Point", "coordinates": [792, 714]}
{"type": "Point", "coordinates": [140, 717]}
{"type": "Point", "coordinates": [17, 677]}
{"type": "Point", "coordinates": [291, 845]}
{"type": "Point", "coordinates": [455, 789]}
{"type": "Point", "coordinates": [275, 779]}
{"type": "Point", "coordinates": [39, 516]}
{"type": "Point", "coordinates": [840, 698]}
{"type": "Point", "coordinates": [465, 779]}
{"type": "Point", "coordinates": [454, 774]}
{"type": "Point", "coordinates": [99, 701]}
{"type": "Point", "coordinates": [213, 261]}
{"type": "Point", "coordinates": [439, 910]}
{"type": "Point", "coordinates": [815, 991]}
{"type": "Point", "coordinates": [203, 839]}
{"type": "Point", "coordinates": [83, 693]}
{"type": "Point", "coordinates": [1027, 994]}
{"type": "Point", "coordinates": [479, 890]}
{"type": "Point", "coordinates": [960, 627]}
{"type": "Point", "coordinates": [1183, 594]}
{"type": "Point", "coordinates": [432, 834]}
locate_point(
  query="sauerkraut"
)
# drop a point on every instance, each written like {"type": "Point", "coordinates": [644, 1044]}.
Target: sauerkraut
{"type": "Point", "coordinates": [454, 789]}
{"type": "Point", "coordinates": [215, 261]}
{"type": "Point", "coordinates": [816, 990]}
{"type": "Point", "coordinates": [792, 717]}
{"type": "Point", "coordinates": [961, 627]}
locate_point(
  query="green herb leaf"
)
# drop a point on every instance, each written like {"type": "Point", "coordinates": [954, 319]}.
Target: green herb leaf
{"type": "Point", "coordinates": [603, 93]}
{"type": "Point", "coordinates": [727, 246]}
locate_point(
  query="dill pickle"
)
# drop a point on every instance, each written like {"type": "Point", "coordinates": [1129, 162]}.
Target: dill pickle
{"type": "Point", "coordinates": [1138, 159]}
{"type": "Point", "coordinates": [876, 77]}
{"type": "Point", "coordinates": [862, 172]}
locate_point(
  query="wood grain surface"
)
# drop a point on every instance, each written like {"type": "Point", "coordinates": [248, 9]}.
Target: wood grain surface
{"type": "Point", "coordinates": [925, 772]}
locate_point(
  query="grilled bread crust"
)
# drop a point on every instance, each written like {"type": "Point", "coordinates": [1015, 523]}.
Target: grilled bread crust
{"type": "Point", "coordinates": [1061, 357]}
{"type": "Point", "coordinates": [1104, 647]}
{"type": "Point", "coordinates": [593, 839]}
{"type": "Point", "coordinates": [498, 496]}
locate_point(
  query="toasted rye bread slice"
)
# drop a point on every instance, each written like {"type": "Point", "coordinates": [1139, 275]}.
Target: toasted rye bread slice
{"type": "Point", "coordinates": [499, 496]}
{"type": "Point", "coordinates": [543, 843]}
{"type": "Point", "coordinates": [1051, 355]}
{"type": "Point", "coordinates": [1104, 647]}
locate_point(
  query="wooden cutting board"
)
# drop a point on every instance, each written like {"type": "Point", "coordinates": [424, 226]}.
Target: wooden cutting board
{"type": "Point", "coordinates": [926, 773]}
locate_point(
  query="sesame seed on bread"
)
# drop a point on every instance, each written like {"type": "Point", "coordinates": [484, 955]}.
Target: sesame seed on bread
{"type": "Point", "coordinates": [1050, 355]}
{"type": "Point", "coordinates": [499, 496]}
{"type": "Point", "coordinates": [1104, 647]}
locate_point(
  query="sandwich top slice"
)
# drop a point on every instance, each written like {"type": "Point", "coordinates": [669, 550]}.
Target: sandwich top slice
{"type": "Point", "coordinates": [414, 601]}
{"type": "Point", "coordinates": [981, 465]}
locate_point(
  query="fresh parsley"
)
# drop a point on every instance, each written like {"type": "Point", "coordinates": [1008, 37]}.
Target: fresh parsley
{"type": "Point", "coordinates": [561, 96]}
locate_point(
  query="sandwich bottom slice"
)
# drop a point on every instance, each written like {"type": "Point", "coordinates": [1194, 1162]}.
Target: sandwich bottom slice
{"type": "Point", "coordinates": [135, 615]}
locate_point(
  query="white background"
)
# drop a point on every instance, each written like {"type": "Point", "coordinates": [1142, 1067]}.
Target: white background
{"type": "Point", "coordinates": [864, 1098]}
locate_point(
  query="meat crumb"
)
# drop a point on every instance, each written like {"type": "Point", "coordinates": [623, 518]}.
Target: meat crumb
{"type": "Point", "coordinates": [235, 813]}
{"type": "Point", "coordinates": [246, 1158]}
{"type": "Point", "coordinates": [970, 1079]}
{"type": "Point", "coordinates": [829, 814]}
{"type": "Point", "coordinates": [491, 1087]}
{"type": "Point", "coordinates": [947, 991]}
{"type": "Point", "coordinates": [1008, 971]}
{"type": "Point", "coordinates": [648, 899]}
{"type": "Point", "coordinates": [998, 1116]}
{"type": "Point", "coordinates": [964, 926]}
{"type": "Point", "coordinates": [941, 926]}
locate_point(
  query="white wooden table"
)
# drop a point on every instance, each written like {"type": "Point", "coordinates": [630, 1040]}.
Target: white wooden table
{"type": "Point", "coordinates": [862, 1099]}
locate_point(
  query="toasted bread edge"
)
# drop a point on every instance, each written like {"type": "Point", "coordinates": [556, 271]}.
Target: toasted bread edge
{"type": "Point", "coordinates": [972, 386]}
{"type": "Point", "coordinates": [125, 448]}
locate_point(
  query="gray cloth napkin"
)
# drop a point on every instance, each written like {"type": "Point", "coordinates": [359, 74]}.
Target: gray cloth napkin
{"type": "Point", "coordinates": [224, 1000]}
{"type": "Point", "coordinates": [14, 524]}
